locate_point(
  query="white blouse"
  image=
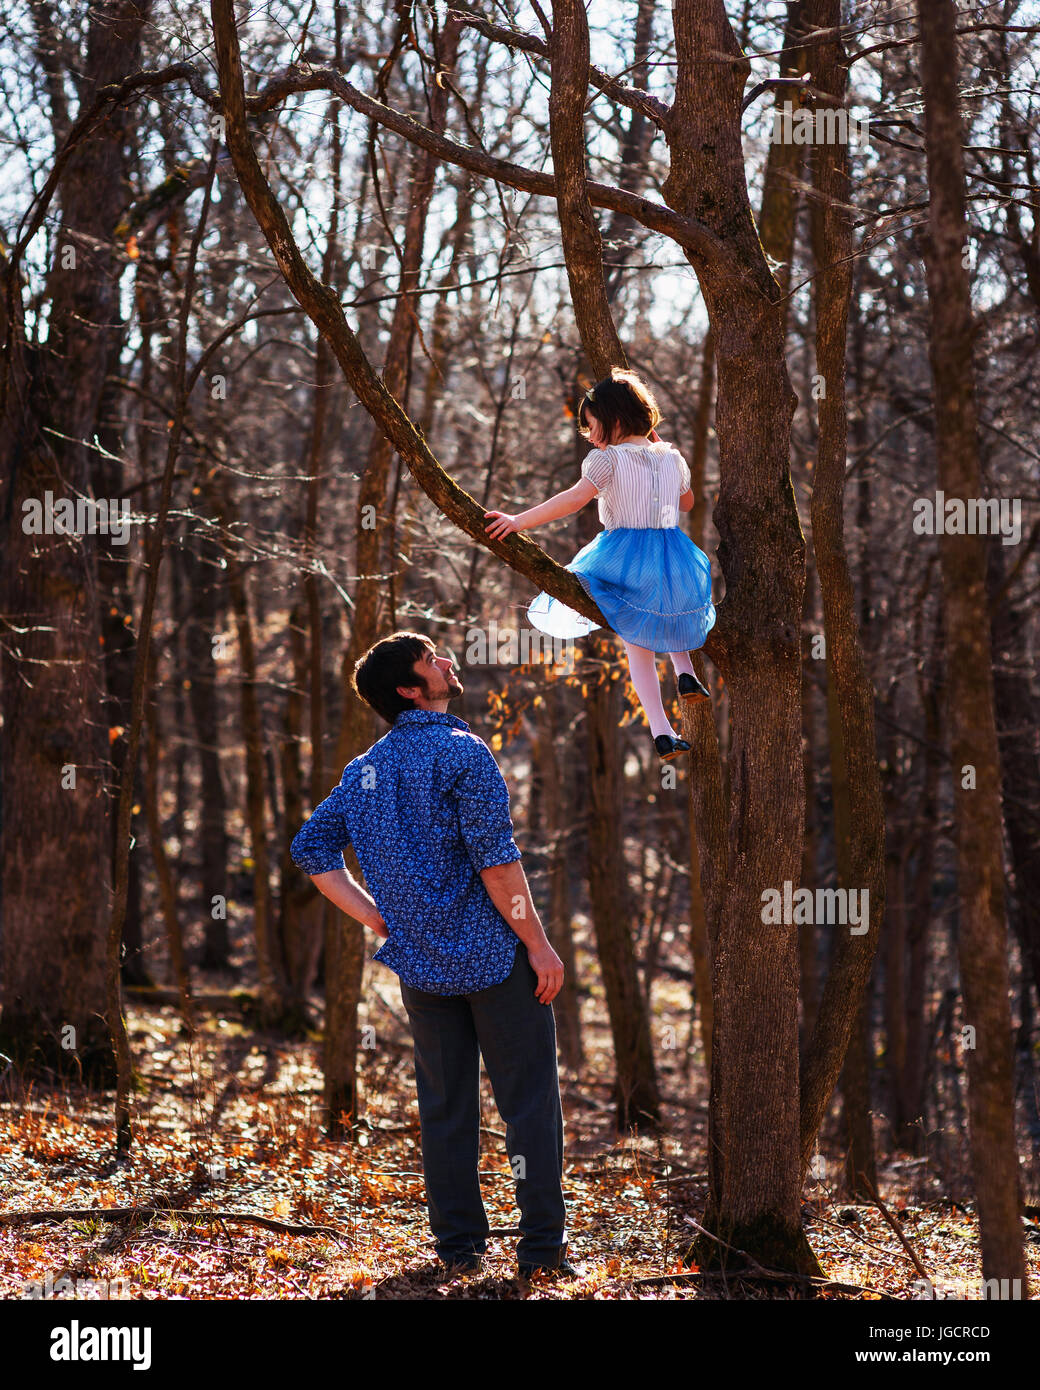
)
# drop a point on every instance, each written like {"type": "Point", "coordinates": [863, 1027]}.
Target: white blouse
{"type": "Point", "coordinates": [639, 485]}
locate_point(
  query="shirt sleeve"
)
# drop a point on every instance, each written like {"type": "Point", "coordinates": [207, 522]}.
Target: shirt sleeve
{"type": "Point", "coordinates": [482, 801]}
{"type": "Point", "coordinates": [319, 845]}
{"type": "Point", "coordinates": [684, 474]}
{"type": "Point", "coordinates": [598, 468]}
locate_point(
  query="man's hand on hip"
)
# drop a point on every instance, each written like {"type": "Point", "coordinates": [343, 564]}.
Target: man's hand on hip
{"type": "Point", "coordinates": [349, 896]}
{"type": "Point", "coordinates": [549, 968]}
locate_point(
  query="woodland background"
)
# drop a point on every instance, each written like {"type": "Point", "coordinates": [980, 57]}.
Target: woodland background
{"type": "Point", "coordinates": [196, 677]}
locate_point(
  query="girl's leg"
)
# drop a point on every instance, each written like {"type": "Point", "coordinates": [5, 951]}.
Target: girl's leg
{"type": "Point", "coordinates": [682, 663]}
{"type": "Point", "coordinates": [642, 665]}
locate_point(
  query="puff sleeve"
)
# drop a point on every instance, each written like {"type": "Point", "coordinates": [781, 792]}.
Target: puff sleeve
{"type": "Point", "coordinates": [684, 474]}
{"type": "Point", "coordinates": [598, 468]}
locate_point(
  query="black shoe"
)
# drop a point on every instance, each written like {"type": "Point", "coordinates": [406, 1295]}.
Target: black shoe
{"type": "Point", "coordinates": [691, 689]}
{"type": "Point", "coordinates": [669, 747]}
{"type": "Point", "coordinates": [461, 1264]}
{"type": "Point", "coordinates": [564, 1270]}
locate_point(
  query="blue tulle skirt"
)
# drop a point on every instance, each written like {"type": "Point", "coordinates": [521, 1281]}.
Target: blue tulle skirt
{"type": "Point", "coordinates": [653, 586]}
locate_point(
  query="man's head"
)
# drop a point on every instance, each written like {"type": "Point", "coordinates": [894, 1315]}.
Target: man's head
{"type": "Point", "coordinates": [403, 671]}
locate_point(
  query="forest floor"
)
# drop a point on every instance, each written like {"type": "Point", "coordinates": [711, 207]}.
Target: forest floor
{"type": "Point", "coordinates": [228, 1124]}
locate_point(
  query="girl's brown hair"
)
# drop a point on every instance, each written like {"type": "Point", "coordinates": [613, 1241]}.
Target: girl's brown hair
{"type": "Point", "coordinates": [622, 403]}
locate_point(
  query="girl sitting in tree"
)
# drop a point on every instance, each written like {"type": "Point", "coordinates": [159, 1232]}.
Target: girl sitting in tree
{"type": "Point", "coordinates": [652, 584]}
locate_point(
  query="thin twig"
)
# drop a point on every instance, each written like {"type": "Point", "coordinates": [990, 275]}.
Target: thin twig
{"type": "Point", "coordinates": [894, 1223]}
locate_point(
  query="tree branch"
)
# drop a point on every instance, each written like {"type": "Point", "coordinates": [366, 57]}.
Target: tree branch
{"type": "Point", "coordinates": [582, 244]}
{"type": "Point", "coordinates": [693, 236]}
{"type": "Point", "coordinates": [106, 98]}
{"type": "Point", "coordinates": [633, 97]}
{"type": "Point", "coordinates": [289, 1228]}
{"type": "Point", "coordinates": [323, 307]}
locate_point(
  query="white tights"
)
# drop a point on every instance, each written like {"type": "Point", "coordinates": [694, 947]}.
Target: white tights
{"type": "Point", "coordinates": [642, 664]}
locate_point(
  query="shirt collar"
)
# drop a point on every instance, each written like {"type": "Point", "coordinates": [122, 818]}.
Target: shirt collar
{"type": "Point", "coordinates": [411, 717]}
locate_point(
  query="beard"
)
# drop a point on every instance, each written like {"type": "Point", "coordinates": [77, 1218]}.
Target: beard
{"type": "Point", "coordinates": [452, 688]}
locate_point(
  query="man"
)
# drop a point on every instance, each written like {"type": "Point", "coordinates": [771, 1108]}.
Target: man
{"type": "Point", "coordinates": [427, 812]}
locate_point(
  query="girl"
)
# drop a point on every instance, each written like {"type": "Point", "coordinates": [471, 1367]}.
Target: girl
{"type": "Point", "coordinates": [649, 579]}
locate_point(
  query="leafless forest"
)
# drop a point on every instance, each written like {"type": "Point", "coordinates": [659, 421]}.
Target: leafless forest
{"type": "Point", "coordinates": [292, 295]}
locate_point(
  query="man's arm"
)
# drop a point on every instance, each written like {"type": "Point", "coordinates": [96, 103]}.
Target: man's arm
{"type": "Point", "coordinates": [318, 851]}
{"type": "Point", "coordinates": [507, 888]}
{"type": "Point", "coordinates": [482, 799]}
{"type": "Point", "coordinates": [349, 896]}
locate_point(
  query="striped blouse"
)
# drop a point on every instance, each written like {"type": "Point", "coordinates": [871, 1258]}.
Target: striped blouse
{"type": "Point", "coordinates": [639, 485]}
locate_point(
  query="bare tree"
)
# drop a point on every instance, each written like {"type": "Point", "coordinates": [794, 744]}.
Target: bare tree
{"type": "Point", "coordinates": [53, 748]}
{"type": "Point", "coordinates": [982, 930]}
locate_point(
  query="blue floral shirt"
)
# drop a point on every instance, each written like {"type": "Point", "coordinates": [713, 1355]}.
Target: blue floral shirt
{"type": "Point", "coordinates": [425, 809]}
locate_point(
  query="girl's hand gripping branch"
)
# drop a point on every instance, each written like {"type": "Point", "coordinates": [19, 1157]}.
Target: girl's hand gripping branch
{"type": "Point", "coordinates": [562, 504]}
{"type": "Point", "coordinates": [503, 525]}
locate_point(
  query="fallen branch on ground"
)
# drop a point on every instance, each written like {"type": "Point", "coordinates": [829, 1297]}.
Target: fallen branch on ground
{"type": "Point", "coordinates": [892, 1221]}
{"type": "Point", "coordinates": [289, 1228]}
{"type": "Point", "coordinates": [775, 1276]}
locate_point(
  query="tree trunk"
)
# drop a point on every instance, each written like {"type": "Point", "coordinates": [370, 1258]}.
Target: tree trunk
{"type": "Point", "coordinates": [359, 723]}
{"type": "Point", "coordinates": [294, 890]}
{"type": "Point", "coordinates": [117, 646]}
{"type": "Point", "coordinates": [153, 812]}
{"type": "Point", "coordinates": [700, 949]}
{"type": "Point", "coordinates": [808, 945]}
{"type": "Point", "coordinates": [344, 969]}
{"type": "Point", "coordinates": [202, 628]}
{"type": "Point", "coordinates": [859, 825]}
{"type": "Point", "coordinates": [555, 823]}
{"type": "Point", "coordinates": [1018, 719]}
{"type": "Point", "coordinates": [855, 1077]}
{"type": "Point", "coordinates": [636, 1094]}
{"type": "Point", "coordinates": [982, 936]}
{"type": "Point", "coordinates": [268, 959]}
{"type": "Point", "coordinates": [784, 159]}
{"type": "Point", "coordinates": [52, 956]}
{"type": "Point", "coordinates": [860, 1159]}
{"type": "Point", "coordinates": [906, 975]}
{"type": "Point", "coordinates": [754, 1176]}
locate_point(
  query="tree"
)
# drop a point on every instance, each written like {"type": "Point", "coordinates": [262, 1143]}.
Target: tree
{"type": "Point", "coordinates": [755, 1177]}
{"type": "Point", "coordinates": [859, 828]}
{"type": "Point", "coordinates": [982, 930]}
{"type": "Point", "coordinates": [53, 747]}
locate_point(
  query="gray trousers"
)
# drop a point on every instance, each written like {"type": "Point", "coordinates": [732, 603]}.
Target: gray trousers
{"type": "Point", "coordinates": [517, 1037]}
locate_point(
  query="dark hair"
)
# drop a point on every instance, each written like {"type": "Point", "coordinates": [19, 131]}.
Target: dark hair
{"type": "Point", "coordinates": [622, 403]}
{"type": "Point", "coordinates": [385, 666]}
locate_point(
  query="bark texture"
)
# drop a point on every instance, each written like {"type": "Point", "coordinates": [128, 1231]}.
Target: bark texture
{"type": "Point", "coordinates": [982, 931]}
{"type": "Point", "coordinates": [52, 956]}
